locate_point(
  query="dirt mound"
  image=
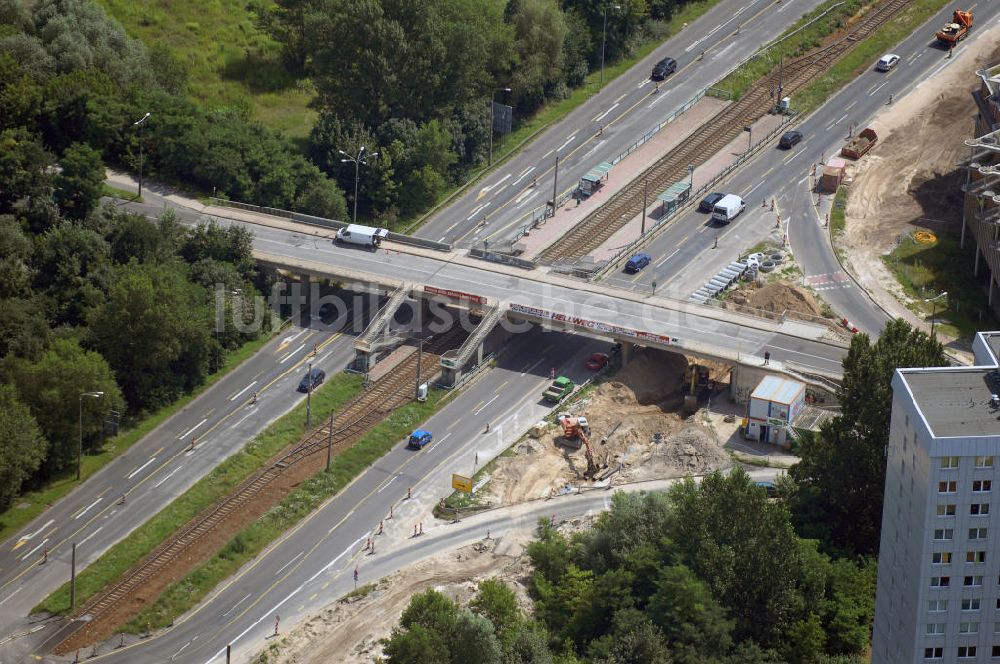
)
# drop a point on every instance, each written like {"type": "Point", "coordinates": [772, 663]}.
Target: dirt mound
{"type": "Point", "coordinates": [777, 297]}
{"type": "Point", "coordinates": [634, 421]}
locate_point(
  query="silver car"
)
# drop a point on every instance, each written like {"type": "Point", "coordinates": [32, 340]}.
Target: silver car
{"type": "Point", "coordinates": [887, 62]}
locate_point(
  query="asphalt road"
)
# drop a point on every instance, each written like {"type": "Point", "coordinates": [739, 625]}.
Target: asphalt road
{"type": "Point", "coordinates": [694, 330]}
{"type": "Point", "coordinates": [323, 546]}
{"type": "Point", "coordinates": [624, 108]}
{"type": "Point", "coordinates": [686, 247]}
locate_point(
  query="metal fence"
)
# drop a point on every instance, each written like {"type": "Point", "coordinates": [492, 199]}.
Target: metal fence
{"type": "Point", "coordinates": [652, 132]}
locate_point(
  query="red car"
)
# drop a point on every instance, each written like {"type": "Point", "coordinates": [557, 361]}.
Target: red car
{"type": "Point", "coordinates": [597, 361]}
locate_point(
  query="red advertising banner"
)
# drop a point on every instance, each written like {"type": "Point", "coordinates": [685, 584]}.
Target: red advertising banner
{"type": "Point", "coordinates": [455, 295]}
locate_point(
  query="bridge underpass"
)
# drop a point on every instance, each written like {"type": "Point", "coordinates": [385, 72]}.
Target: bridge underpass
{"type": "Point", "coordinates": [808, 351]}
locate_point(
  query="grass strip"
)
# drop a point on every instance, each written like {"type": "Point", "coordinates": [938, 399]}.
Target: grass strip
{"type": "Point", "coordinates": [245, 545]}
{"type": "Point", "coordinates": [925, 270]}
{"type": "Point", "coordinates": [113, 563]}
{"type": "Point", "coordinates": [866, 53]}
{"type": "Point", "coordinates": [123, 194]}
{"type": "Point", "coordinates": [838, 213]}
{"type": "Point", "coordinates": [33, 503]}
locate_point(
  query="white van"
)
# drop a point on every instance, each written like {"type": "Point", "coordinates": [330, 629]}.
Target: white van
{"type": "Point", "coordinates": [366, 236]}
{"type": "Point", "coordinates": [728, 208]}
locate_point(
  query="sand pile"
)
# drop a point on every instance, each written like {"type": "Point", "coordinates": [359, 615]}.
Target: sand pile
{"type": "Point", "coordinates": [777, 297]}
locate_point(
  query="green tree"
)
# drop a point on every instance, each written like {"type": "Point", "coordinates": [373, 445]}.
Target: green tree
{"type": "Point", "coordinates": [496, 602]}
{"type": "Point", "coordinates": [230, 244]}
{"type": "Point", "coordinates": [322, 198]}
{"type": "Point", "coordinates": [528, 645]}
{"type": "Point", "coordinates": [24, 329]}
{"type": "Point", "coordinates": [841, 474]}
{"type": "Point", "coordinates": [24, 167]}
{"type": "Point", "coordinates": [72, 266]}
{"type": "Point", "coordinates": [23, 446]}
{"type": "Point", "coordinates": [694, 626]}
{"type": "Point", "coordinates": [15, 259]}
{"type": "Point", "coordinates": [417, 645]}
{"type": "Point", "coordinates": [540, 33]}
{"type": "Point", "coordinates": [155, 330]}
{"type": "Point", "coordinates": [80, 182]}
{"type": "Point", "coordinates": [133, 236]}
{"type": "Point", "coordinates": [805, 640]}
{"type": "Point", "coordinates": [473, 636]}
{"type": "Point", "coordinates": [51, 388]}
{"type": "Point", "coordinates": [635, 640]}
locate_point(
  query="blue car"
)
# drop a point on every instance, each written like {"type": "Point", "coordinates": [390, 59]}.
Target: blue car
{"type": "Point", "coordinates": [419, 439]}
{"type": "Point", "coordinates": [637, 262]}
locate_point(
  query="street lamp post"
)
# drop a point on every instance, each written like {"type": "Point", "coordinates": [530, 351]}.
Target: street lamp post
{"type": "Point", "coordinates": [604, 38]}
{"type": "Point", "coordinates": [492, 98]}
{"type": "Point", "coordinates": [691, 176]}
{"type": "Point", "coordinates": [358, 161]}
{"type": "Point", "coordinates": [139, 123]}
{"type": "Point", "coordinates": [79, 440]}
{"type": "Point", "coordinates": [309, 392]}
{"type": "Point", "coordinates": [933, 302]}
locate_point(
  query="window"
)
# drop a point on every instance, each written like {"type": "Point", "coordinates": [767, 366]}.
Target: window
{"type": "Point", "coordinates": [934, 653]}
{"type": "Point", "coordinates": [983, 462]}
{"type": "Point", "coordinates": [982, 486]}
{"type": "Point", "coordinates": [940, 581]}
{"type": "Point", "coordinates": [977, 533]}
{"type": "Point", "coordinates": [975, 557]}
{"type": "Point", "coordinates": [943, 534]}
{"type": "Point", "coordinates": [996, 628]}
{"type": "Point", "coordinates": [971, 604]}
{"type": "Point", "coordinates": [935, 629]}
{"type": "Point", "coordinates": [950, 486]}
{"type": "Point", "coordinates": [996, 651]}
{"type": "Point", "coordinates": [968, 628]}
{"type": "Point", "coordinates": [949, 463]}
{"type": "Point", "coordinates": [979, 509]}
{"type": "Point", "coordinates": [941, 558]}
{"type": "Point", "coordinates": [939, 605]}
{"type": "Point", "coordinates": [946, 510]}
{"type": "Point", "coordinates": [966, 652]}
{"type": "Point", "coordinates": [973, 581]}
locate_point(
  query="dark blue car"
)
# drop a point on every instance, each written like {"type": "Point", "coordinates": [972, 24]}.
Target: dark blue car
{"type": "Point", "coordinates": [419, 439]}
{"type": "Point", "coordinates": [312, 381]}
{"type": "Point", "coordinates": [637, 262]}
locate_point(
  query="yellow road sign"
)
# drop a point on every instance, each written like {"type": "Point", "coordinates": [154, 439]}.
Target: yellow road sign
{"type": "Point", "coordinates": [461, 483]}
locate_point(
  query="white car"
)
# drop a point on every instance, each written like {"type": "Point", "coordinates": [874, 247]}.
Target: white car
{"type": "Point", "coordinates": [887, 62]}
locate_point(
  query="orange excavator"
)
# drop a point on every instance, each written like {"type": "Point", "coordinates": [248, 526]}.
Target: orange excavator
{"type": "Point", "coordinates": [957, 30]}
{"type": "Point", "coordinates": [576, 428]}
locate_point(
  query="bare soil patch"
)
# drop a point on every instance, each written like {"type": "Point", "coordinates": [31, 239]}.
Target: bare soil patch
{"type": "Point", "coordinates": [911, 179]}
{"type": "Point", "coordinates": [639, 413]}
{"type": "Point", "coordinates": [775, 297]}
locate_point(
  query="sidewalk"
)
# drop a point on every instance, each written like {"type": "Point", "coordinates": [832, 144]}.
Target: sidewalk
{"type": "Point", "coordinates": [621, 175]}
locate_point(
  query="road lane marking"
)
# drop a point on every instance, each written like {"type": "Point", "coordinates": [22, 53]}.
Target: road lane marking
{"type": "Point", "coordinates": [294, 558]}
{"type": "Point", "coordinates": [99, 529]}
{"type": "Point", "coordinates": [40, 545]}
{"type": "Point", "coordinates": [245, 598]}
{"type": "Point", "coordinates": [568, 141]}
{"type": "Point", "coordinates": [605, 113]}
{"type": "Point", "coordinates": [660, 264]}
{"type": "Point", "coordinates": [754, 187]}
{"type": "Point", "coordinates": [878, 88]}
{"type": "Point", "coordinates": [26, 538]}
{"type": "Point", "coordinates": [20, 588]}
{"type": "Point", "coordinates": [290, 354]}
{"type": "Point", "coordinates": [87, 508]}
{"type": "Point", "coordinates": [140, 468]}
{"type": "Point", "coordinates": [192, 429]}
{"type": "Point", "coordinates": [242, 392]}
{"type": "Point", "coordinates": [475, 212]}
{"type": "Point", "coordinates": [391, 480]}
{"type": "Point", "coordinates": [157, 485]}
{"type": "Point", "coordinates": [521, 176]}
{"type": "Point", "coordinates": [179, 651]}
{"type": "Point", "coordinates": [623, 95]}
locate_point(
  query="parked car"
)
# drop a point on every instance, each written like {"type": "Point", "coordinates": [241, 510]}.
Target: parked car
{"type": "Point", "coordinates": [637, 262]}
{"type": "Point", "coordinates": [312, 380]}
{"type": "Point", "coordinates": [887, 62]}
{"type": "Point", "coordinates": [663, 68]}
{"type": "Point", "coordinates": [768, 488]}
{"type": "Point", "coordinates": [708, 203]}
{"type": "Point", "coordinates": [789, 139]}
{"type": "Point", "coordinates": [597, 361]}
{"type": "Point", "coordinates": [419, 439]}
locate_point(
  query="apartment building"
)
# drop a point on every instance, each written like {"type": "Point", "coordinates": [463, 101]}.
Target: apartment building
{"type": "Point", "coordinates": [938, 591]}
{"type": "Point", "coordinates": [981, 202]}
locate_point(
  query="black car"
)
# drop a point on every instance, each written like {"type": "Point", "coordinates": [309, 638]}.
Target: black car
{"type": "Point", "coordinates": [312, 381]}
{"type": "Point", "coordinates": [664, 68]}
{"type": "Point", "coordinates": [789, 139]}
{"type": "Point", "coordinates": [708, 203]}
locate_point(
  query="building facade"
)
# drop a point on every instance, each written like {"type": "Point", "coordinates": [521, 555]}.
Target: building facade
{"type": "Point", "coordinates": [773, 407]}
{"type": "Point", "coordinates": [981, 203]}
{"type": "Point", "coordinates": [938, 591]}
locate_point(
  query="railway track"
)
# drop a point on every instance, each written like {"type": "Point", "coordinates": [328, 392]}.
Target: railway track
{"type": "Point", "coordinates": [358, 416]}
{"type": "Point", "coordinates": [711, 137]}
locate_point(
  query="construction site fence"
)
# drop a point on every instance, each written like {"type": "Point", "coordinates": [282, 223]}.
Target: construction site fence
{"type": "Point", "coordinates": [652, 132]}
{"type": "Point", "coordinates": [663, 221]}
{"type": "Point", "coordinates": [327, 223]}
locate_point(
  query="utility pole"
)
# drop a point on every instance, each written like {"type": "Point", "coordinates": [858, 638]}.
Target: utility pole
{"type": "Point", "coordinates": [329, 445]}
{"type": "Point", "coordinates": [420, 357]}
{"type": "Point", "coordinates": [79, 441]}
{"type": "Point", "coordinates": [555, 185]}
{"type": "Point", "coordinates": [309, 377]}
{"type": "Point", "coordinates": [645, 191]}
{"type": "Point", "coordinates": [139, 123]}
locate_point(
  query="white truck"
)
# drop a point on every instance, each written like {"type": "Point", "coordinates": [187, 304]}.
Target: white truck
{"type": "Point", "coordinates": [366, 236]}
{"type": "Point", "coordinates": [728, 208]}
